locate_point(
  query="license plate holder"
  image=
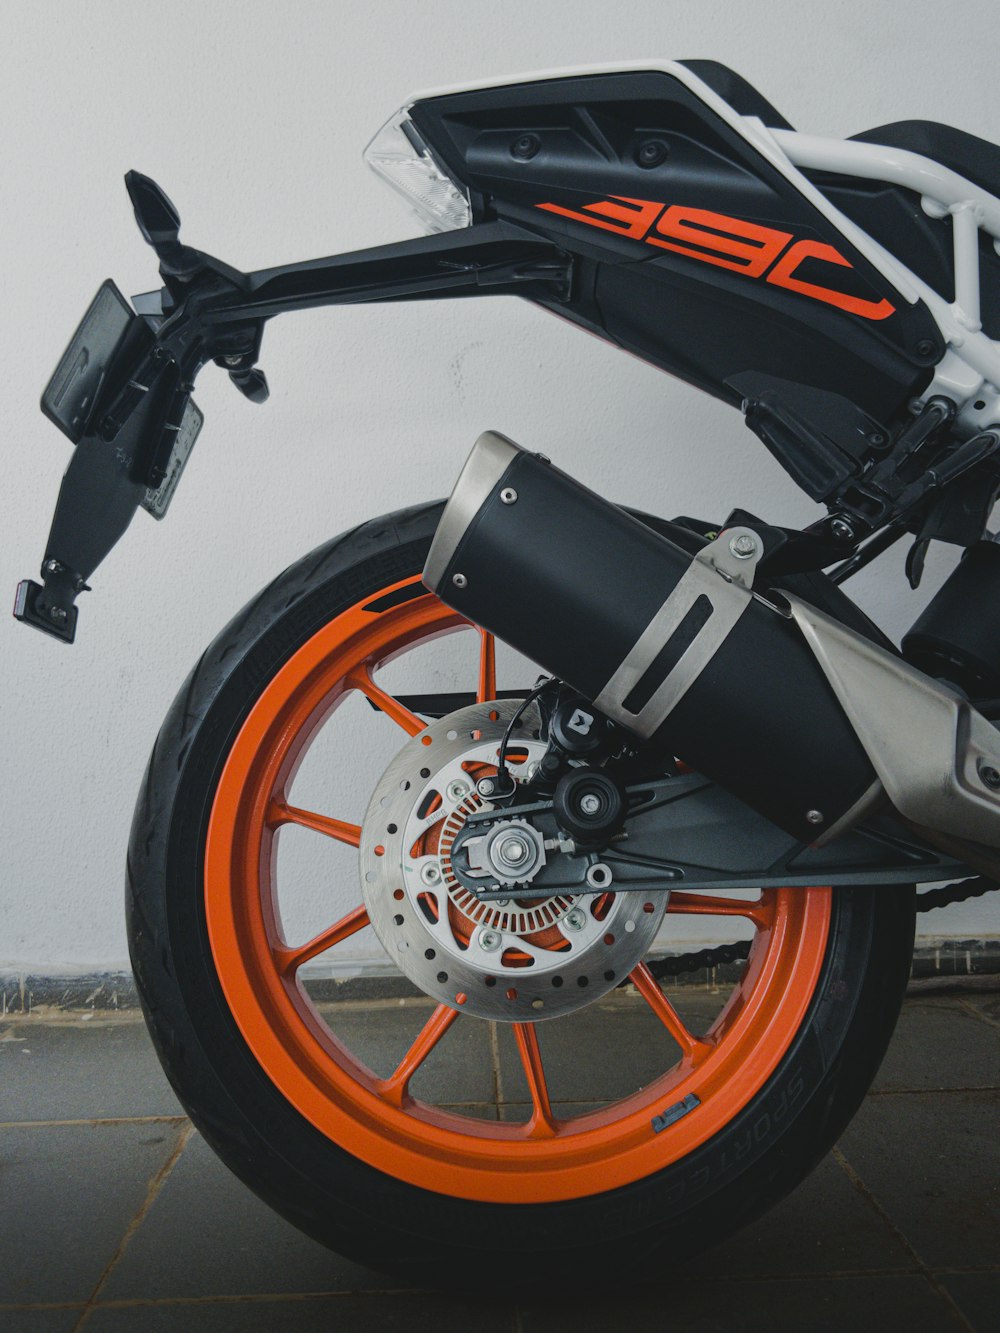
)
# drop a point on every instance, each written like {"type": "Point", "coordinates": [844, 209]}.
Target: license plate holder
{"type": "Point", "coordinates": [70, 396]}
{"type": "Point", "coordinates": [156, 501]}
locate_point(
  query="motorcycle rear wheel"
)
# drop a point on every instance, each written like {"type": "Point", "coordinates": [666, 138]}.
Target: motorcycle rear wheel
{"type": "Point", "coordinates": [739, 1115]}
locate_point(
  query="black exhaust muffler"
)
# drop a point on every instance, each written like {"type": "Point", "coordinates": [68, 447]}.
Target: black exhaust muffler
{"type": "Point", "coordinates": [676, 648]}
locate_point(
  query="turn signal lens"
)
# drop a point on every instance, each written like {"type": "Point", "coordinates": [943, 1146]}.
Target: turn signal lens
{"type": "Point", "coordinates": [400, 157]}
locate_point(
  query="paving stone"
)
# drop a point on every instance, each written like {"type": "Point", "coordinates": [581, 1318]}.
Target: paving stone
{"type": "Point", "coordinates": [597, 1054]}
{"type": "Point", "coordinates": [939, 1043]}
{"type": "Point", "coordinates": [81, 1071]}
{"type": "Point", "coordinates": [70, 1192]}
{"type": "Point", "coordinates": [977, 1295]}
{"type": "Point", "coordinates": [40, 1321]}
{"type": "Point", "coordinates": [892, 1304]}
{"type": "Point", "coordinates": [459, 1069]}
{"type": "Point", "coordinates": [409, 1313]}
{"type": "Point", "coordinates": [932, 1160]}
{"type": "Point", "coordinates": [823, 1226]}
{"type": "Point", "coordinates": [986, 1003]}
{"type": "Point", "coordinates": [208, 1235]}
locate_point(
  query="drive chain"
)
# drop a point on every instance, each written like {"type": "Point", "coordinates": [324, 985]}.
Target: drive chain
{"type": "Point", "coordinates": [677, 964]}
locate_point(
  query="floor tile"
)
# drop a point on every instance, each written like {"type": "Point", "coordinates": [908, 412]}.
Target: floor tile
{"type": "Point", "coordinates": [940, 1044]}
{"type": "Point", "coordinates": [69, 1194]}
{"type": "Point", "coordinates": [893, 1304]}
{"type": "Point", "coordinates": [597, 1054]}
{"type": "Point", "coordinates": [208, 1235]}
{"type": "Point", "coordinates": [986, 1003]}
{"type": "Point", "coordinates": [81, 1071]}
{"type": "Point", "coordinates": [408, 1313]}
{"type": "Point", "coordinates": [823, 1226]}
{"type": "Point", "coordinates": [459, 1069]}
{"type": "Point", "coordinates": [977, 1295]}
{"type": "Point", "coordinates": [40, 1321]}
{"type": "Point", "coordinates": [932, 1160]}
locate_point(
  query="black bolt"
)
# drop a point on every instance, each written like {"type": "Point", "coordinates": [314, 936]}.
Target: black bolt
{"type": "Point", "coordinates": [926, 347]}
{"type": "Point", "coordinates": [525, 147]}
{"type": "Point", "coordinates": [652, 152]}
{"type": "Point", "coordinates": [841, 530]}
{"type": "Point", "coordinates": [990, 776]}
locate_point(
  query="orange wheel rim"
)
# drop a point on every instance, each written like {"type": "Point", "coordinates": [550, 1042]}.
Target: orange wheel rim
{"type": "Point", "coordinates": [377, 1120]}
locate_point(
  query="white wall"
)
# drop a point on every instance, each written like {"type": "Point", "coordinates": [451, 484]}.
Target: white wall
{"type": "Point", "coordinates": [253, 116]}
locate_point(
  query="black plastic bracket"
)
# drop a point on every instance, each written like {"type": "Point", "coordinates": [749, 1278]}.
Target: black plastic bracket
{"type": "Point", "coordinates": [46, 609]}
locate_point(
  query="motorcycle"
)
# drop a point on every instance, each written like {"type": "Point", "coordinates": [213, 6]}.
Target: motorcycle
{"type": "Point", "coordinates": [718, 731]}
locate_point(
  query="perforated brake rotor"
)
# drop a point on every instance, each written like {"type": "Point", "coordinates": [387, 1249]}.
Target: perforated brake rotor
{"type": "Point", "coordinates": [511, 960]}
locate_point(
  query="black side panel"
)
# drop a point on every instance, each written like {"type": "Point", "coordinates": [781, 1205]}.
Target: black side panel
{"type": "Point", "coordinates": [741, 95]}
{"type": "Point", "coordinates": [691, 249]}
{"type": "Point", "coordinates": [976, 159]}
{"type": "Point", "coordinates": [894, 217]}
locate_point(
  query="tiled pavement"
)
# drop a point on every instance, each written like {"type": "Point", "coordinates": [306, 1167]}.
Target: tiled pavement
{"type": "Point", "coordinates": [115, 1217]}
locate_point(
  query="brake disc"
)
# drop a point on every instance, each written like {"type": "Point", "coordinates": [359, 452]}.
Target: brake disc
{"type": "Point", "coordinates": [512, 959]}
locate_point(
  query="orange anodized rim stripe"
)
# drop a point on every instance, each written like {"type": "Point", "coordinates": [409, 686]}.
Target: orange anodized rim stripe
{"type": "Point", "coordinates": [546, 1159]}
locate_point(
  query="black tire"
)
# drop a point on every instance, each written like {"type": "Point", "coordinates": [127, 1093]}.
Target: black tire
{"type": "Point", "coordinates": [343, 1202]}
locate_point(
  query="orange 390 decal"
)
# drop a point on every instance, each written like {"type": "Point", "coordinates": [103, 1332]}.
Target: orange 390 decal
{"type": "Point", "coordinates": [714, 238]}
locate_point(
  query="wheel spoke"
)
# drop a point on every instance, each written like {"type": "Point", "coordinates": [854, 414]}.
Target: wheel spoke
{"type": "Point", "coordinates": [542, 1122]}
{"type": "Point", "coordinates": [706, 904]}
{"type": "Point", "coordinates": [649, 988]}
{"type": "Point", "coordinates": [400, 714]}
{"type": "Point", "coordinates": [487, 686]}
{"type": "Point", "coordinates": [290, 960]}
{"type": "Point", "coordinates": [394, 1088]}
{"type": "Point", "coordinates": [333, 828]}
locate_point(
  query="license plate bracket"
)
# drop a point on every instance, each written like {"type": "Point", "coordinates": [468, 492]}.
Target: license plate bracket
{"type": "Point", "coordinates": [156, 500]}
{"type": "Point", "coordinates": [71, 395]}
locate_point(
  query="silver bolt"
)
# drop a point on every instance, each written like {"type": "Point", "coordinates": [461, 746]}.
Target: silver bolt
{"type": "Point", "coordinates": [575, 920]}
{"type": "Point", "coordinates": [232, 360]}
{"type": "Point", "coordinates": [814, 816]}
{"type": "Point", "coordinates": [52, 567]}
{"type": "Point", "coordinates": [513, 850]}
{"type": "Point", "coordinates": [459, 580]}
{"type": "Point", "coordinates": [57, 613]}
{"type": "Point", "coordinates": [743, 546]}
{"type": "Point", "coordinates": [485, 786]}
{"type": "Point", "coordinates": [501, 902]}
{"type": "Point", "coordinates": [431, 873]}
{"type": "Point", "coordinates": [508, 495]}
{"type": "Point", "coordinates": [457, 790]}
{"type": "Point", "coordinates": [490, 940]}
{"type": "Point", "coordinates": [590, 804]}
